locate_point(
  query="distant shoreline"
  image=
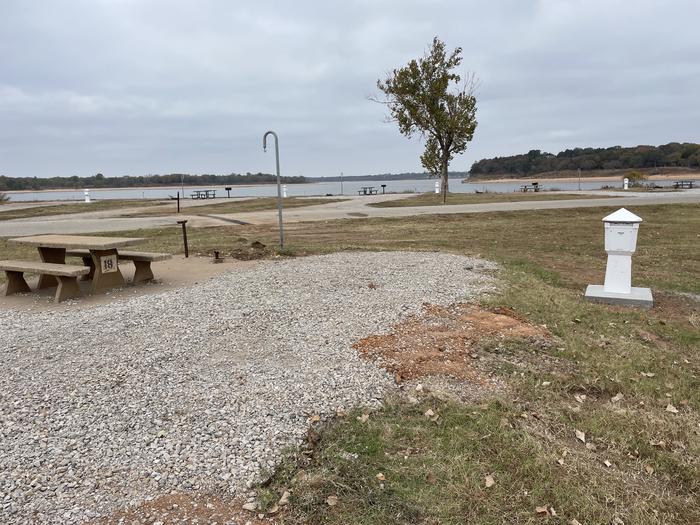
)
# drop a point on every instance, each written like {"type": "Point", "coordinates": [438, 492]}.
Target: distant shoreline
{"type": "Point", "coordinates": [600, 178]}
{"type": "Point", "coordinates": [157, 187]}
{"type": "Point", "coordinates": [199, 186]}
{"type": "Point", "coordinates": [613, 179]}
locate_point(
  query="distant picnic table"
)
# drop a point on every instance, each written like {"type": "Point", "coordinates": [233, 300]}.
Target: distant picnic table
{"type": "Point", "coordinates": [535, 186]}
{"type": "Point", "coordinates": [367, 190]}
{"type": "Point", "coordinates": [684, 184]}
{"type": "Point", "coordinates": [203, 194]}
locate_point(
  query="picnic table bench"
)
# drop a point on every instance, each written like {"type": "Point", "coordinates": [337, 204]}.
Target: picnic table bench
{"type": "Point", "coordinates": [203, 194]}
{"type": "Point", "coordinates": [142, 262]}
{"type": "Point", "coordinates": [684, 184]}
{"type": "Point", "coordinates": [368, 190]}
{"type": "Point", "coordinates": [66, 274]}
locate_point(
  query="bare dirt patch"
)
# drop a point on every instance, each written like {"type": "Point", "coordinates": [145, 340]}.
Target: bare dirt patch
{"type": "Point", "coordinates": [447, 341]}
{"type": "Point", "coordinates": [184, 508]}
{"type": "Point", "coordinates": [178, 272]}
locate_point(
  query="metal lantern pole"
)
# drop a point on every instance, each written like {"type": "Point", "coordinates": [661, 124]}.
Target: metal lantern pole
{"type": "Point", "coordinates": [341, 183]}
{"type": "Point", "coordinates": [279, 182]}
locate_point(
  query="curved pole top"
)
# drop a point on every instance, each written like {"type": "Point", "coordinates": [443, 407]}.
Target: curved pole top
{"type": "Point", "coordinates": [265, 138]}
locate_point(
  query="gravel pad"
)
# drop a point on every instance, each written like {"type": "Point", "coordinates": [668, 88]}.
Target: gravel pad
{"type": "Point", "coordinates": [199, 388]}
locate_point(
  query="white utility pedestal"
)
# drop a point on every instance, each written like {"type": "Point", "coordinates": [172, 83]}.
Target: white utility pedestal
{"type": "Point", "coordinates": [621, 230]}
{"type": "Point", "coordinates": [437, 186]}
{"type": "Point", "coordinates": [625, 184]}
{"type": "Point", "coordinates": [284, 191]}
{"type": "Point", "coordinates": [87, 195]}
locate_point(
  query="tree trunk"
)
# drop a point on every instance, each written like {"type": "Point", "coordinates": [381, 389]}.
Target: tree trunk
{"type": "Point", "coordinates": [444, 179]}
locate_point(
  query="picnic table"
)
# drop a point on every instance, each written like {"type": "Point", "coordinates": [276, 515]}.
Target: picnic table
{"type": "Point", "coordinates": [684, 184]}
{"type": "Point", "coordinates": [534, 187]}
{"type": "Point", "coordinates": [103, 252]}
{"type": "Point", "coordinates": [367, 190]}
{"type": "Point", "coordinates": [203, 194]}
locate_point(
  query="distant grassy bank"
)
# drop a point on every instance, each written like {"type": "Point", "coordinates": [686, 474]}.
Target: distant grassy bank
{"type": "Point", "coordinates": [238, 206]}
{"type": "Point", "coordinates": [77, 207]}
{"type": "Point", "coordinates": [159, 207]}
{"type": "Point", "coordinates": [619, 174]}
{"type": "Point", "coordinates": [433, 199]}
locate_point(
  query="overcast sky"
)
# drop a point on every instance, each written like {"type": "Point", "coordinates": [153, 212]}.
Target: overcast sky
{"type": "Point", "coordinates": [131, 87]}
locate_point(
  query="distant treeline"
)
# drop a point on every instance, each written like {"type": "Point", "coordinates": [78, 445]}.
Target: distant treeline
{"type": "Point", "coordinates": [387, 176]}
{"type": "Point", "coordinates": [173, 179]}
{"type": "Point", "coordinates": [674, 154]}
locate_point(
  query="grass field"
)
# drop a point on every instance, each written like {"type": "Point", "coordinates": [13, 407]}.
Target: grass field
{"type": "Point", "coordinates": [149, 208]}
{"type": "Point", "coordinates": [433, 199]}
{"type": "Point", "coordinates": [78, 207]}
{"type": "Point", "coordinates": [641, 460]}
{"type": "Point", "coordinates": [435, 472]}
{"type": "Point", "coordinates": [238, 206]}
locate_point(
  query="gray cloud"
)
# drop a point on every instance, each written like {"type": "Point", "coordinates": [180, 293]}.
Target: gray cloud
{"type": "Point", "coordinates": [155, 86]}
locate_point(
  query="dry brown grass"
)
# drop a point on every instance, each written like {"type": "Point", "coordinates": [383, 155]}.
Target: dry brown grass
{"type": "Point", "coordinates": [432, 199]}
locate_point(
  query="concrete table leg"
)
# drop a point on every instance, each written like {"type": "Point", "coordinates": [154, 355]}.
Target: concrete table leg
{"type": "Point", "coordinates": [107, 273]}
{"type": "Point", "coordinates": [67, 289]}
{"type": "Point", "coordinates": [50, 255]}
{"type": "Point", "coordinates": [143, 271]}
{"type": "Point", "coordinates": [87, 261]}
{"type": "Point", "coordinates": [16, 283]}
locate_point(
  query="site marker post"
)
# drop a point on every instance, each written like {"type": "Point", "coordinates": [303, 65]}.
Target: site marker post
{"type": "Point", "coordinates": [184, 237]}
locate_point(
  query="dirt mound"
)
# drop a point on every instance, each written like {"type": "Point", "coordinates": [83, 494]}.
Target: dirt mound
{"type": "Point", "coordinates": [443, 341]}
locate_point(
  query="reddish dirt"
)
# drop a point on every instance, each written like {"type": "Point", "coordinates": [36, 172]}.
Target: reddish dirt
{"type": "Point", "coordinates": [442, 341]}
{"type": "Point", "coordinates": [185, 508]}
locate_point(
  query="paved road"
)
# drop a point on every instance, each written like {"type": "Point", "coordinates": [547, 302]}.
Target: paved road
{"type": "Point", "coordinates": [353, 208]}
{"type": "Point", "coordinates": [356, 207]}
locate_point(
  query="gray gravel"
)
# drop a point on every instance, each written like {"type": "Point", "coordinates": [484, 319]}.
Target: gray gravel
{"type": "Point", "coordinates": [199, 388]}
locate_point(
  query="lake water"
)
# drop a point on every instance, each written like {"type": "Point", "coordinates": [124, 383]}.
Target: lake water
{"type": "Point", "coordinates": [295, 190]}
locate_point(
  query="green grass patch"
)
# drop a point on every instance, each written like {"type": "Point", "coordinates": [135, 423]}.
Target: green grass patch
{"type": "Point", "coordinates": [433, 199]}
{"type": "Point", "coordinates": [75, 207]}
{"type": "Point", "coordinates": [240, 206]}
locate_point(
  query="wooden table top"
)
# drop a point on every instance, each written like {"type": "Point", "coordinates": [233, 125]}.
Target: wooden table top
{"type": "Point", "coordinates": [70, 242]}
